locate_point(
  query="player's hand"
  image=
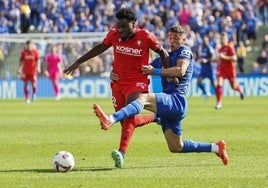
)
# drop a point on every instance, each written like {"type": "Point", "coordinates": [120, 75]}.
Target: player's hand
{"type": "Point", "coordinates": [147, 69]}
{"type": "Point", "coordinates": [203, 60]}
{"type": "Point", "coordinates": [71, 68]}
{"type": "Point", "coordinates": [223, 56]}
{"type": "Point", "coordinates": [174, 80]}
{"type": "Point", "coordinates": [114, 76]}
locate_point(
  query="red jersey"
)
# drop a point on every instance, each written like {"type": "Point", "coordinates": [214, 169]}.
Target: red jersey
{"type": "Point", "coordinates": [132, 54]}
{"type": "Point", "coordinates": [29, 59]}
{"type": "Point", "coordinates": [227, 67]}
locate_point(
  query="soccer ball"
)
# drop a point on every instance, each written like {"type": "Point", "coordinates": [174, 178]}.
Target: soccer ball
{"type": "Point", "coordinates": [63, 161]}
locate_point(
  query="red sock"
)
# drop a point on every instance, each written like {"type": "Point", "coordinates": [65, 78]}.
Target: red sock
{"type": "Point", "coordinates": [238, 88]}
{"type": "Point", "coordinates": [34, 89]}
{"type": "Point", "coordinates": [219, 93]}
{"type": "Point", "coordinates": [26, 92]}
{"type": "Point", "coordinates": [143, 119]}
{"type": "Point", "coordinates": [129, 126]}
{"type": "Point", "coordinates": [127, 131]}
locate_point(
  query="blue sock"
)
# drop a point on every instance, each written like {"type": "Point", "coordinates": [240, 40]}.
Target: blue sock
{"type": "Point", "coordinates": [191, 146]}
{"type": "Point", "coordinates": [133, 108]}
{"type": "Point", "coordinates": [201, 86]}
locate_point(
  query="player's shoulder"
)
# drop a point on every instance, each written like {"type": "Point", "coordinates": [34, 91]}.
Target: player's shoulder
{"type": "Point", "coordinates": [183, 52]}
{"type": "Point", "coordinates": [183, 49]}
{"type": "Point", "coordinates": [113, 31]}
{"type": "Point", "coordinates": [143, 32]}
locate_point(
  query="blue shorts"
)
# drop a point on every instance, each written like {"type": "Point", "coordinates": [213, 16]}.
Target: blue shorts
{"type": "Point", "coordinates": [208, 72]}
{"type": "Point", "coordinates": [171, 109]}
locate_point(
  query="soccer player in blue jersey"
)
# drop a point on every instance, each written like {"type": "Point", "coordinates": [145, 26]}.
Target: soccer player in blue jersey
{"type": "Point", "coordinates": [207, 68]}
{"type": "Point", "coordinates": [170, 107]}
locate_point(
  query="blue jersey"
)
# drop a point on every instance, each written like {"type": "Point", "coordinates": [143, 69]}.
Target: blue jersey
{"type": "Point", "coordinates": [172, 104]}
{"type": "Point", "coordinates": [170, 87]}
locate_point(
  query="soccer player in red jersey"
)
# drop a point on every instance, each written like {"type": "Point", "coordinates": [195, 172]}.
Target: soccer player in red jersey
{"type": "Point", "coordinates": [226, 69]}
{"type": "Point", "coordinates": [29, 66]}
{"type": "Point", "coordinates": [131, 48]}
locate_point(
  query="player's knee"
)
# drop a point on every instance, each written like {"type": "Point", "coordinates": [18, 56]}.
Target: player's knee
{"type": "Point", "coordinates": [175, 148]}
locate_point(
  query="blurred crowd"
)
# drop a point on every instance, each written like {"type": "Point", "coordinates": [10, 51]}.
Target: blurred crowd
{"type": "Point", "coordinates": [239, 18]}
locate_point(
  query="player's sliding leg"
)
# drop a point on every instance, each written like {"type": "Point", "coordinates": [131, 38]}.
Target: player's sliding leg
{"type": "Point", "coordinates": [222, 153]}
{"type": "Point", "coordinates": [133, 108]}
{"type": "Point", "coordinates": [103, 117]}
{"type": "Point", "coordinates": [219, 148]}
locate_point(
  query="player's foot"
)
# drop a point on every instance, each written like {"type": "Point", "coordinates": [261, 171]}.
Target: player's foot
{"type": "Point", "coordinates": [57, 97]}
{"type": "Point", "coordinates": [218, 106]}
{"type": "Point", "coordinates": [242, 96]}
{"type": "Point", "coordinates": [118, 158]}
{"type": "Point", "coordinates": [27, 101]}
{"type": "Point", "coordinates": [222, 152]}
{"type": "Point", "coordinates": [103, 117]}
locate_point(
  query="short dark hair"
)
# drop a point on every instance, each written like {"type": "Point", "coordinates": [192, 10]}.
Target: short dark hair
{"type": "Point", "coordinates": [126, 13]}
{"type": "Point", "coordinates": [177, 29]}
{"type": "Point", "coordinates": [28, 42]}
{"type": "Point", "coordinates": [224, 34]}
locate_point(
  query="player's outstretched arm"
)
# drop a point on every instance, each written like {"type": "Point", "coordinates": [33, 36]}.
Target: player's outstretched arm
{"type": "Point", "coordinates": [98, 49]}
{"type": "Point", "coordinates": [164, 56]}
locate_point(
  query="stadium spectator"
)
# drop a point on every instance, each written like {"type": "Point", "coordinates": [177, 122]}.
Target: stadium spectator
{"type": "Point", "coordinates": [184, 14]}
{"type": "Point", "coordinates": [263, 11]}
{"type": "Point", "coordinates": [255, 69]}
{"type": "Point", "coordinates": [252, 28]}
{"type": "Point", "coordinates": [25, 16]}
{"type": "Point", "coordinates": [3, 24]}
{"type": "Point", "coordinates": [241, 55]}
{"type": "Point", "coordinates": [226, 69]}
{"type": "Point", "coordinates": [155, 17]}
{"type": "Point", "coordinates": [170, 107]}
{"type": "Point", "coordinates": [240, 26]}
{"type": "Point", "coordinates": [262, 61]}
{"type": "Point", "coordinates": [61, 24]}
{"type": "Point", "coordinates": [265, 42]}
{"type": "Point", "coordinates": [53, 69]}
{"type": "Point", "coordinates": [36, 7]}
{"type": "Point", "coordinates": [43, 25]}
{"type": "Point", "coordinates": [71, 55]}
{"type": "Point", "coordinates": [2, 62]}
{"type": "Point", "coordinates": [131, 45]}
{"type": "Point", "coordinates": [14, 17]}
{"type": "Point", "coordinates": [28, 69]}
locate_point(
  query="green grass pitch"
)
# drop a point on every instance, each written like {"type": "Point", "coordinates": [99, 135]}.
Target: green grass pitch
{"type": "Point", "coordinates": [31, 134]}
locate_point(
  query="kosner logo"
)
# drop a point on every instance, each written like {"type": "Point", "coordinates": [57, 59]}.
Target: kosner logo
{"type": "Point", "coordinates": [128, 50]}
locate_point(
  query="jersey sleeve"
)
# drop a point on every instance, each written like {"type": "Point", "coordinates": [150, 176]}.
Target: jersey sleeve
{"type": "Point", "coordinates": [107, 41]}
{"type": "Point", "coordinates": [185, 53]}
{"type": "Point", "coordinates": [154, 42]}
{"type": "Point", "coordinates": [231, 51]}
{"type": "Point", "coordinates": [156, 63]}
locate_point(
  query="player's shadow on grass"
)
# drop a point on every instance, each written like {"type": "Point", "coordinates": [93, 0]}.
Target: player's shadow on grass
{"type": "Point", "coordinates": [53, 171]}
{"type": "Point", "coordinates": [92, 169]}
